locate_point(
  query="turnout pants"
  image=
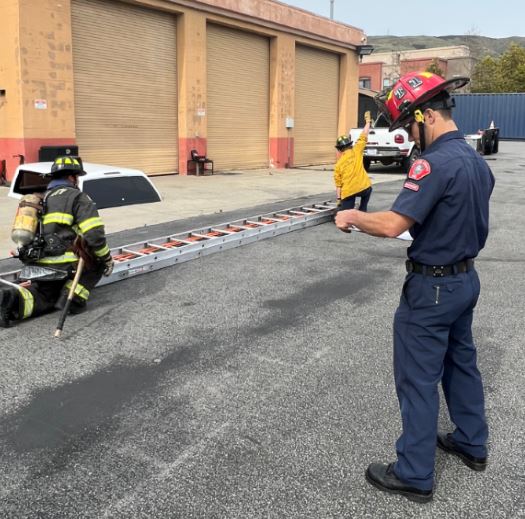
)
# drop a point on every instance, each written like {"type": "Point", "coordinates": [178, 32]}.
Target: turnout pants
{"type": "Point", "coordinates": [433, 343]}
{"type": "Point", "coordinates": [44, 296]}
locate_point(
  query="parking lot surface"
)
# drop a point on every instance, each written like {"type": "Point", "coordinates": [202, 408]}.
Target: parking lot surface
{"type": "Point", "coordinates": [255, 383]}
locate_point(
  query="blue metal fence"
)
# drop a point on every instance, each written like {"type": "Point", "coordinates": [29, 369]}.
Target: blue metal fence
{"type": "Point", "coordinates": [475, 112]}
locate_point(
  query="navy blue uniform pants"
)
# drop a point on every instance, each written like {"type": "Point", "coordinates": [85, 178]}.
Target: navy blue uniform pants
{"type": "Point", "coordinates": [349, 201]}
{"type": "Point", "coordinates": [432, 344]}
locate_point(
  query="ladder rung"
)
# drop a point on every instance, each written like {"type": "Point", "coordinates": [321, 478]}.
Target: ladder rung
{"type": "Point", "coordinates": [151, 249]}
{"type": "Point", "coordinates": [224, 231]}
{"type": "Point", "coordinates": [161, 247]}
{"type": "Point", "coordinates": [173, 244]}
{"type": "Point", "coordinates": [201, 236]}
{"type": "Point", "coordinates": [136, 252]}
{"type": "Point", "coordinates": [194, 238]}
{"type": "Point", "coordinates": [184, 242]}
{"type": "Point", "coordinates": [248, 227]}
{"type": "Point", "coordinates": [124, 257]}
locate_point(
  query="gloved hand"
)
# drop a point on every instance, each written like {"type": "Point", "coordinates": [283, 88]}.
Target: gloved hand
{"type": "Point", "coordinates": [368, 117]}
{"type": "Point", "coordinates": [108, 266]}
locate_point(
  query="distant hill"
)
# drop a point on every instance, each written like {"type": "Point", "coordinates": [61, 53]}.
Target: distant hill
{"type": "Point", "coordinates": [480, 46]}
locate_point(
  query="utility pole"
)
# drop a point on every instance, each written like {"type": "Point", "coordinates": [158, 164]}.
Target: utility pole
{"type": "Point", "coordinates": [332, 9]}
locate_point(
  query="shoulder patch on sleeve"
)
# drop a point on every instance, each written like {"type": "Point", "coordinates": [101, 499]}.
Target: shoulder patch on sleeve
{"type": "Point", "coordinates": [411, 185]}
{"type": "Point", "coordinates": [421, 168]}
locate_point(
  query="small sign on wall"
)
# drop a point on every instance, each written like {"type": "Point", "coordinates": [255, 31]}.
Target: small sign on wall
{"type": "Point", "coordinates": [201, 112]}
{"type": "Point", "coordinates": [41, 104]}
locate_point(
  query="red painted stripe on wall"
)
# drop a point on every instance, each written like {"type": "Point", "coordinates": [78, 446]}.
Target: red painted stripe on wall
{"type": "Point", "coordinates": [281, 152]}
{"type": "Point", "coordinates": [11, 147]}
{"type": "Point", "coordinates": [185, 147]}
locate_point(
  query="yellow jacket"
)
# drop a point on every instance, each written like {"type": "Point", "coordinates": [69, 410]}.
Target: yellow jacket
{"type": "Point", "coordinates": [349, 174]}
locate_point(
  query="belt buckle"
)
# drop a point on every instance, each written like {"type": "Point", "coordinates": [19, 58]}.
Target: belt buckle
{"type": "Point", "coordinates": [438, 272]}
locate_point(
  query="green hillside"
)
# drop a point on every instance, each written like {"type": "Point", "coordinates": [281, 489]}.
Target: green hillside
{"type": "Point", "coordinates": [480, 46]}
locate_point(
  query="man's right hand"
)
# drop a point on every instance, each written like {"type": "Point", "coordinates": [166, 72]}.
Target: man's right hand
{"type": "Point", "coordinates": [368, 117]}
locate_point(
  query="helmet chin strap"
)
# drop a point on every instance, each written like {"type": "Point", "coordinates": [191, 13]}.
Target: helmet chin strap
{"type": "Point", "coordinates": [420, 120]}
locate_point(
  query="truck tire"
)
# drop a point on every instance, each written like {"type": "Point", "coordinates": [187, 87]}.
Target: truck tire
{"type": "Point", "coordinates": [407, 162]}
{"type": "Point", "coordinates": [366, 163]}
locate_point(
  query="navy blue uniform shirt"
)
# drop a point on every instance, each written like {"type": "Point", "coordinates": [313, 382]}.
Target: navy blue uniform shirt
{"type": "Point", "coordinates": [447, 194]}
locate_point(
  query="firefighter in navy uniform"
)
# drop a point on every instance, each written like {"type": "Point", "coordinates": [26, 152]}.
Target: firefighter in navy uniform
{"type": "Point", "coordinates": [445, 204]}
{"type": "Point", "coordinates": [70, 227]}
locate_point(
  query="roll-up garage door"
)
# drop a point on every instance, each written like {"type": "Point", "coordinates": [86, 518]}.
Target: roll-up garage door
{"type": "Point", "coordinates": [316, 105]}
{"type": "Point", "coordinates": [125, 85]}
{"type": "Point", "coordinates": [238, 98]}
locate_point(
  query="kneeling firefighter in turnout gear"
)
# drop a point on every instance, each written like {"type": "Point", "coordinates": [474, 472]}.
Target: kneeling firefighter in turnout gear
{"type": "Point", "coordinates": [52, 232]}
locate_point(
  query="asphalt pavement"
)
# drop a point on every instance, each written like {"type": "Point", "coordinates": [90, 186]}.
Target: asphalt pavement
{"type": "Point", "coordinates": [255, 383]}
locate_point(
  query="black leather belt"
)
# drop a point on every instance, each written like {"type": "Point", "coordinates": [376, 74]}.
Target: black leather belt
{"type": "Point", "coordinates": [438, 271]}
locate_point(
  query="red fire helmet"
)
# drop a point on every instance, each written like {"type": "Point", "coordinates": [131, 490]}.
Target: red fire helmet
{"type": "Point", "coordinates": [410, 92]}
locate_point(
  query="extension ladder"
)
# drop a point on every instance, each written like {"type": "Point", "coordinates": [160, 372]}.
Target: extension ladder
{"type": "Point", "coordinates": [143, 257]}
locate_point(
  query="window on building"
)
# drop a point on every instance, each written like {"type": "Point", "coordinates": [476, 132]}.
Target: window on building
{"type": "Point", "coordinates": [387, 82]}
{"type": "Point", "coordinates": [365, 82]}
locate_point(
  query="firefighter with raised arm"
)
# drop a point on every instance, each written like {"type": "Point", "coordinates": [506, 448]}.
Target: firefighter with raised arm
{"type": "Point", "coordinates": [52, 231]}
{"type": "Point", "coordinates": [350, 176]}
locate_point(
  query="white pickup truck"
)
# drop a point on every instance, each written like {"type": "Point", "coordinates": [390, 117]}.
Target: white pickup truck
{"type": "Point", "coordinates": [387, 147]}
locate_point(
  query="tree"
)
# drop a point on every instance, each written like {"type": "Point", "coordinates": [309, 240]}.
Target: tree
{"type": "Point", "coordinates": [512, 69]}
{"type": "Point", "coordinates": [503, 74]}
{"type": "Point", "coordinates": [435, 68]}
{"type": "Point", "coordinates": [485, 77]}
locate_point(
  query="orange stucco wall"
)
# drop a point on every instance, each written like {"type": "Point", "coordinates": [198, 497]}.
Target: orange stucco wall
{"type": "Point", "coordinates": [192, 87]}
{"type": "Point", "coordinates": [348, 92]}
{"type": "Point", "coordinates": [282, 98]}
{"type": "Point", "coordinates": [36, 70]}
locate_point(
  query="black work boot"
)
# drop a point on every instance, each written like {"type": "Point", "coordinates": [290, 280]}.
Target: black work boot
{"type": "Point", "coordinates": [61, 301]}
{"type": "Point", "coordinates": [383, 477]}
{"type": "Point", "coordinates": [77, 306]}
{"type": "Point", "coordinates": [446, 443]}
{"type": "Point", "coordinates": [8, 303]}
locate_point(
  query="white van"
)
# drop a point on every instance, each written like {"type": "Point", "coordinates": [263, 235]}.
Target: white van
{"type": "Point", "coordinates": [107, 186]}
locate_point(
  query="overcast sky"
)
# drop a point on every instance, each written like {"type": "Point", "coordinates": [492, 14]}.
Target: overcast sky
{"type": "Point", "coordinates": [496, 19]}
